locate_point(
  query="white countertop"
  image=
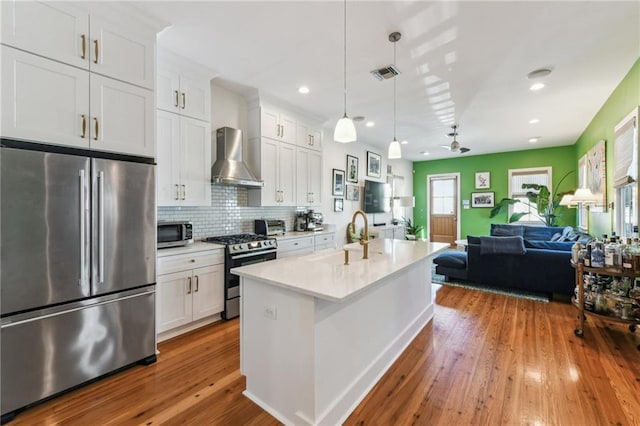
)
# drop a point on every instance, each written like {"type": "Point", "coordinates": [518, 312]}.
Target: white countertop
{"type": "Point", "coordinates": [324, 275]}
{"type": "Point", "coordinates": [298, 234]}
{"type": "Point", "coordinates": [190, 248]}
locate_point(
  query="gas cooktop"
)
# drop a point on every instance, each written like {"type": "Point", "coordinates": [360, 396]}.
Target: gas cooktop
{"type": "Point", "coordinates": [243, 243]}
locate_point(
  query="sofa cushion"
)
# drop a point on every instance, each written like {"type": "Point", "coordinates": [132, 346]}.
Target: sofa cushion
{"type": "Point", "coordinates": [502, 245]}
{"type": "Point", "coordinates": [549, 245]}
{"type": "Point", "coordinates": [543, 233]}
{"type": "Point", "coordinates": [452, 259]}
{"type": "Point", "coordinates": [501, 230]}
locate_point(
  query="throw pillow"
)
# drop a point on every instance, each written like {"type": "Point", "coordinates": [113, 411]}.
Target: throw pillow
{"type": "Point", "coordinates": [502, 245]}
{"type": "Point", "coordinates": [557, 237]}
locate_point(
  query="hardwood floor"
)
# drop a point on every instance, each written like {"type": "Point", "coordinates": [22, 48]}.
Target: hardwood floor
{"type": "Point", "coordinates": [485, 359]}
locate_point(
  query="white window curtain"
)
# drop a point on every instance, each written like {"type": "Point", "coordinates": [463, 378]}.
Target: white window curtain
{"type": "Point", "coordinates": [626, 153]}
{"type": "Point", "coordinates": [517, 177]}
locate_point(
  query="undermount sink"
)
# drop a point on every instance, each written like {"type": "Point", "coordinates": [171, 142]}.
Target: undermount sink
{"type": "Point", "coordinates": [336, 256]}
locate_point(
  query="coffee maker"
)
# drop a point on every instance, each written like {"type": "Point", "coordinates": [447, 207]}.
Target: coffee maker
{"type": "Point", "coordinates": [309, 221]}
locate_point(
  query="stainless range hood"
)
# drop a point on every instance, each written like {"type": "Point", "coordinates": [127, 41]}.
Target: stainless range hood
{"type": "Point", "coordinates": [229, 169]}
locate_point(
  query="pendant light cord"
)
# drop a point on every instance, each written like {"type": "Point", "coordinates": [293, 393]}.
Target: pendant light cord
{"type": "Point", "coordinates": [394, 91]}
{"type": "Point", "coordinates": [345, 58]}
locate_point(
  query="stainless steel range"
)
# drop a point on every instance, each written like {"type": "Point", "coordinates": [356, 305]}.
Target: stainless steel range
{"type": "Point", "coordinates": [241, 250]}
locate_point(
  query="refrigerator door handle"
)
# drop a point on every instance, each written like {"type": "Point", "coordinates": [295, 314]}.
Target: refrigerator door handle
{"type": "Point", "coordinates": [101, 227]}
{"type": "Point", "coordinates": [82, 228]}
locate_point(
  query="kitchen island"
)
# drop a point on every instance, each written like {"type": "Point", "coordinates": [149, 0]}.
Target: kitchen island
{"type": "Point", "coordinates": [316, 335]}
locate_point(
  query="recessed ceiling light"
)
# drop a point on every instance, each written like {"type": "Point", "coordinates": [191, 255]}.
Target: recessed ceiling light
{"type": "Point", "coordinates": [404, 142]}
{"type": "Point", "coordinates": [370, 124]}
{"type": "Point", "coordinates": [534, 140]}
{"type": "Point", "coordinates": [425, 153]}
{"type": "Point", "coordinates": [303, 89]}
{"type": "Point", "coordinates": [536, 86]}
{"type": "Point", "coordinates": [534, 121]}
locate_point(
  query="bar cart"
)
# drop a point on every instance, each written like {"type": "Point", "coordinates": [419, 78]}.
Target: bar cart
{"type": "Point", "coordinates": [623, 312]}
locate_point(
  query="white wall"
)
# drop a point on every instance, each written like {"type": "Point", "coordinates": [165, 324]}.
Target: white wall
{"type": "Point", "coordinates": [228, 109]}
{"type": "Point", "coordinates": [335, 157]}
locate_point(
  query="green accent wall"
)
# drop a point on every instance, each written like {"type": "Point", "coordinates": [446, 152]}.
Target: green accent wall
{"type": "Point", "coordinates": [476, 221]}
{"type": "Point", "coordinates": [621, 102]}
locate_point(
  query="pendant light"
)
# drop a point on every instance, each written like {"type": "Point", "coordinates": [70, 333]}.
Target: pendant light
{"type": "Point", "coordinates": [345, 129]}
{"type": "Point", "coordinates": [395, 152]}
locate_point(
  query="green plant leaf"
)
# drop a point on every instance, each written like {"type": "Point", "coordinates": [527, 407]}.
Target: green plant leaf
{"type": "Point", "coordinates": [516, 217]}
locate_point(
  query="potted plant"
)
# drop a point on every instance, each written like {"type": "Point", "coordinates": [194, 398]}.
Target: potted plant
{"type": "Point", "coordinates": [538, 196]}
{"type": "Point", "coordinates": [411, 230]}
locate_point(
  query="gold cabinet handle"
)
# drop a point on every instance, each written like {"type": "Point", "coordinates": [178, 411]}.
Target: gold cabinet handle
{"type": "Point", "coordinates": [95, 50]}
{"type": "Point", "coordinates": [177, 96]}
{"type": "Point", "coordinates": [84, 126]}
{"type": "Point", "coordinates": [96, 128]}
{"type": "Point", "coordinates": [189, 288]}
{"type": "Point", "coordinates": [184, 192]}
{"type": "Point", "coordinates": [184, 100]}
{"type": "Point", "coordinates": [177, 191]}
{"type": "Point", "coordinates": [84, 46]}
{"type": "Point", "coordinates": [197, 283]}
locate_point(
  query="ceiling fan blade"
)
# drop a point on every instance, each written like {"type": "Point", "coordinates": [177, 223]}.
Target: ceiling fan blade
{"type": "Point", "coordinates": [447, 147]}
{"type": "Point", "coordinates": [463, 150]}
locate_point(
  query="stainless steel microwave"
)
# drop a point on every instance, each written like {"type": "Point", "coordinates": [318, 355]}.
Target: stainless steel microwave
{"type": "Point", "coordinates": [174, 234]}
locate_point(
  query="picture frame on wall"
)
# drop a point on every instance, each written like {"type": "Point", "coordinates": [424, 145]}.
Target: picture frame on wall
{"type": "Point", "coordinates": [353, 193]}
{"type": "Point", "coordinates": [483, 180]}
{"type": "Point", "coordinates": [338, 204]}
{"type": "Point", "coordinates": [483, 199]}
{"type": "Point", "coordinates": [374, 164]}
{"type": "Point", "coordinates": [352, 169]}
{"type": "Point", "coordinates": [338, 183]}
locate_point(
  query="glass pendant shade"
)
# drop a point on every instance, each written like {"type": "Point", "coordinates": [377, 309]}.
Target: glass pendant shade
{"type": "Point", "coordinates": [395, 152]}
{"type": "Point", "coordinates": [345, 131]}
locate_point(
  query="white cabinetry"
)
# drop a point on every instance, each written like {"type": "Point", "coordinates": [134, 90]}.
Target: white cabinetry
{"type": "Point", "coordinates": [389, 231]}
{"type": "Point", "coordinates": [185, 96]}
{"type": "Point", "coordinates": [308, 177]}
{"type": "Point", "coordinates": [308, 137]}
{"type": "Point", "coordinates": [184, 161]}
{"type": "Point", "coordinates": [277, 125]}
{"type": "Point", "coordinates": [295, 246]}
{"type": "Point", "coordinates": [277, 170]}
{"type": "Point", "coordinates": [190, 291]}
{"type": "Point", "coordinates": [78, 79]}
{"type": "Point", "coordinates": [324, 241]}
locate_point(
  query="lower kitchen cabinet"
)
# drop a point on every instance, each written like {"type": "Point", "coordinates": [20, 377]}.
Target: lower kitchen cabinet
{"type": "Point", "coordinates": [295, 246]}
{"type": "Point", "coordinates": [324, 241]}
{"type": "Point", "coordinates": [190, 291]}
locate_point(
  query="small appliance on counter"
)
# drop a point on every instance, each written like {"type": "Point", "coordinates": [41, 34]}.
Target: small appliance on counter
{"type": "Point", "coordinates": [174, 234]}
{"type": "Point", "coordinates": [309, 221]}
{"type": "Point", "coordinates": [269, 227]}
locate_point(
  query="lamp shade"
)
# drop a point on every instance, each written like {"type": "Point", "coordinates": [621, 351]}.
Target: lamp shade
{"type": "Point", "coordinates": [345, 131]}
{"type": "Point", "coordinates": [584, 196]}
{"type": "Point", "coordinates": [405, 201]}
{"type": "Point", "coordinates": [567, 201]}
{"type": "Point", "coordinates": [395, 152]}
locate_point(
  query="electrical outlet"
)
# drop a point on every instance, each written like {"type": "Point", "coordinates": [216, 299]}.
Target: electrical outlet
{"type": "Point", "coordinates": [270, 312]}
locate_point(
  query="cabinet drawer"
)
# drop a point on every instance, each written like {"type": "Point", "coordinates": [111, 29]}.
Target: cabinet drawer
{"type": "Point", "coordinates": [295, 244]}
{"type": "Point", "coordinates": [324, 241]}
{"type": "Point", "coordinates": [183, 262]}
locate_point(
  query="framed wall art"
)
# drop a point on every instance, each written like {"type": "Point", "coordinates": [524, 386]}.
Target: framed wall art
{"type": "Point", "coordinates": [353, 193]}
{"type": "Point", "coordinates": [352, 169]}
{"type": "Point", "coordinates": [338, 204]}
{"type": "Point", "coordinates": [338, 183]}
{"type": "Point", "coordinates": [597, 174]}
{"type": "Point", "coordinates": [483, 199]}
{"type": "Point", "coordinates": [374, 164]}
{"type": "Point", "coordinates": [483, 180]}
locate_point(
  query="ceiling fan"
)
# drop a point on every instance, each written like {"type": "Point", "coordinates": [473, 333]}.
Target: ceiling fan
{"type": "Point", "coordinates": [455, 145]}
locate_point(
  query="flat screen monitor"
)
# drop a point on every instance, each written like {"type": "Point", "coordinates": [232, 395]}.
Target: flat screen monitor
{"type": "Point", "coordinates": [377, 197]}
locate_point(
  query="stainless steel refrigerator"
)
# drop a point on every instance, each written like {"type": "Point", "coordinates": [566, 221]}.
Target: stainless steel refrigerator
{"type": "Point", "coordinates": [77, 270]}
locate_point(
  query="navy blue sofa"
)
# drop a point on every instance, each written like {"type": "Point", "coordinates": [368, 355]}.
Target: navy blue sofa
{"type": "Point", "coordinates": [532, 258]}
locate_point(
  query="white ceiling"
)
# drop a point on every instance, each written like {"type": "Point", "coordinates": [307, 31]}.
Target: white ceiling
{"type": "Point", "coordinates": [463, 62]}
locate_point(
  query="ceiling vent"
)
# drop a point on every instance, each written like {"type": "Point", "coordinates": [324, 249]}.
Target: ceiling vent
{"type": "Point", "coordinates": [385, 73]}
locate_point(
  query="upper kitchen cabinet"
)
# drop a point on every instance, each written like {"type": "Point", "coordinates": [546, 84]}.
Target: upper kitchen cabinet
{"type": "Point", "coordinates": [98, 40]}
{"type": "Point", "coordinates": [184, 161]}
{"type": "Point", "coordinates": [308, 177]}
{"type": "Point", "coordinates": [308, 137]}
{"type": "Point", "coordinates": [184, 87]}
{"type": "Point", "coordinates": [47, 101]}
{"type": "Point", "coordinates": [277, 125]}
{"type": "Point", "coordinates": [277, 171]}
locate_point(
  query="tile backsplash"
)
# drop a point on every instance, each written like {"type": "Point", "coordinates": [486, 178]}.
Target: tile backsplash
{"type": "Point", "coordinates": [227, 214]}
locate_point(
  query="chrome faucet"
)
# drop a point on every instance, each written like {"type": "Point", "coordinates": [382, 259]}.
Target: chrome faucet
{"type": "Point", "coordinates": [364, 241]}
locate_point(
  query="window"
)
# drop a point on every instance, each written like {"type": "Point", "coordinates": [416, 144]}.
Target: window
{"type": "Point", "coordinates": [517, 177]}
{"type": "Point", "coordinates": [443, 196]}
{"type": "Point", "coordinates": [626, 173]}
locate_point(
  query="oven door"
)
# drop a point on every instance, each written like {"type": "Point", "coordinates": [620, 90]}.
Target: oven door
{"type": "Point", "coordinates": [232, 282]}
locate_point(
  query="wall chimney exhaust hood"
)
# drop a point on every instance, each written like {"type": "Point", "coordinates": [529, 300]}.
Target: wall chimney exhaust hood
{"type": "Point", "coordinates": [229, 169]}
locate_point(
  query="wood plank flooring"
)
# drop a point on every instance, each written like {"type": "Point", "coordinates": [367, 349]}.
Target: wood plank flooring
{"type": "Point", "coordinates": [485, 359]}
